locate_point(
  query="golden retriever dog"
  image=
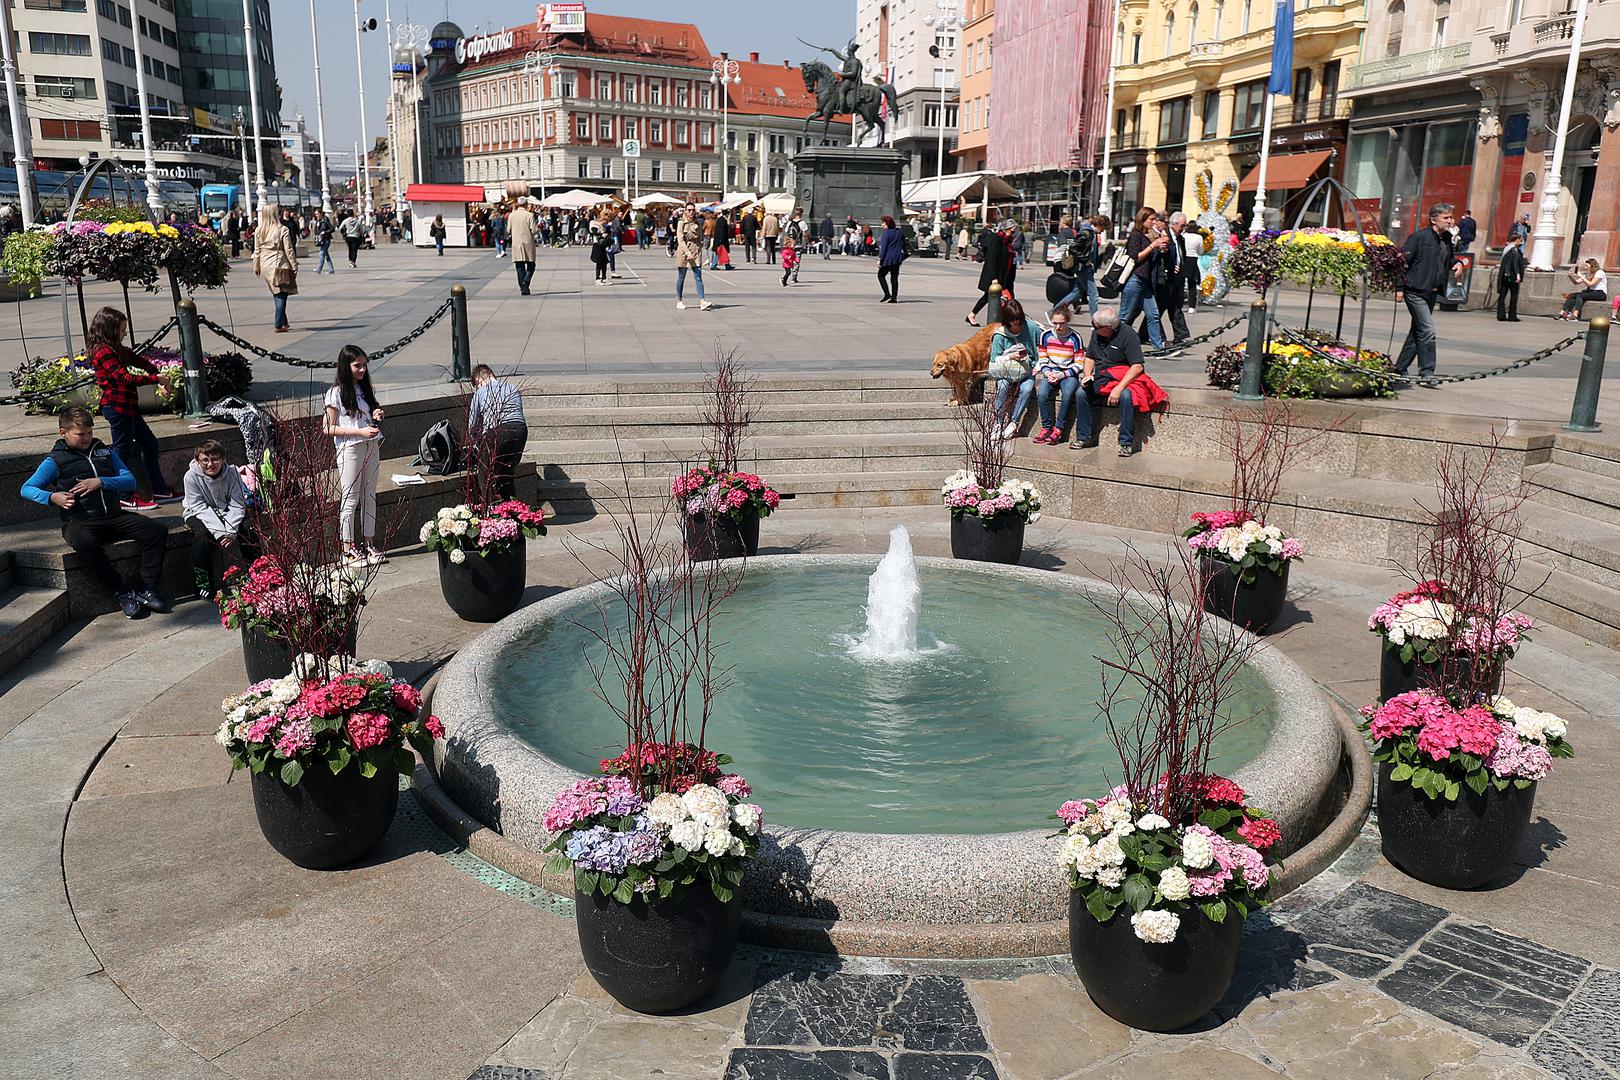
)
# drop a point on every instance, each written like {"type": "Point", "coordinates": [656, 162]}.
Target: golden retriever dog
{"type": "Point", "coordinates": [961, 364]}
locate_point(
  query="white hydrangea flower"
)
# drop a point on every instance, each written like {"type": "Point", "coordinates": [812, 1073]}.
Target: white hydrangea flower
{"type": "Point", "coordinates": [1196, 851]}
{"type": "Point", "coordinates": [1110, 853]}
{"type": "Point", "coordinates": [1428, 619]}
{"type": "Point", "coordinates": [1111, 877]}
{"type": "Point", "coordinates": [373, 667]}
{"type": "Point", "coordinates": [717, 841]}
{"type": "Point", "coordinates": [748, 816]}
{"type": "Point", "coordinates": [1072, 853]}
{"type": "Point", "coordinates": [458, 556]}
{"type": "Point", "coordinates": [1502, 707]}
{"type": "Point", "coordinates": [223, 735]}
{"type": "Point", "coordinates": [666, 810]}
{"type": "Point", "coordinates": [1156, 927]}
{"type": "Point", "coordinates": [1555, 726]}
{"type": "Point", "coordinates": [1150, 822]}
{"type": "Point", "coordinates": [427, 531]}
{"type": "Point", "coordinates": [707, 804]}
{"type": "Point", "coordinates": [459, 527]}
{"type": "Point", "coordinates": [1116, 812]}
{"type": "Point", "coordinates": [1537, 726]}
{"type": "Point", "coordinates": [737, 846]}
{"type": "Point", "coordinates": [687, 834]}
{"type": "Point", "coordinates": [1173, 884]}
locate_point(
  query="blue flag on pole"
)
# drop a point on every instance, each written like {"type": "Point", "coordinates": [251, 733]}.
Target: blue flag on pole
{"type": "Point", "coordinates": [1282, 50]}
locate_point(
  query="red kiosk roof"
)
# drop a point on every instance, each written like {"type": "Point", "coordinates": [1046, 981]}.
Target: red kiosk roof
{"type": "Point", "coordinates": [462, 193]}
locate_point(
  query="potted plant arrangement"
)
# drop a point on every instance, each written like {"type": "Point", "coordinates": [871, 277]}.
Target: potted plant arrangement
{"type": "Point", "coordinates": [989, 510]}
{"type": "Point", "coordinates": [1245, 559]}
{"type": "Point", "coordinates": [1291, 370]}
{"type": "Point", "coordinates": [1457, 782]}
{"type": "Point", "coordinates": [1420, 627]}
{"type": "Point", "coordinates": [658, 844]}
{"type": "Point", "coordinates": [325, 746]}
{"type": "Point", "coordinates": [720, 505]}
{"type": "Point", "coordinates": [482, 568]}
{"type": "Point", "coordinates": [264, 602]}
{"type": "Point", "coordinates": [1458, 764]}
{"type": "Point", "coordinates": [1164, 868]}
{"type": "Point", "coordinates": [49, 384]}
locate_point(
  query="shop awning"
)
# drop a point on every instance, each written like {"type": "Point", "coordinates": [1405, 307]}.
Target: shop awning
{"type": "Point", "coordinates": [779, 203]}
{"type": "Point", "coordinates": [957, 187]}
{"type": "Point", "coordinates": [451, 193]}
{"type": "Point", "coordinates": [1286, 172]}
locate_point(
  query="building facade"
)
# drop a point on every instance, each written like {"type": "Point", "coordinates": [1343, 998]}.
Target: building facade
{"type": "Point", "coordinates": [973, 115]}
{"type": "Point", "coordinates": [77, 60]}
{"type": "Point", "coordinates": [621, 79]}
{"type": "Point", "coordinates": [1458, 104]}
{"type": "Point", "coordinates": [1191, 95]}
{"type": "Point", "coordinates": [765, 126]}
{"type": "Point", "coordinates": [1049, 89]}
{"type": "Point", "coordinates": [893, 38]}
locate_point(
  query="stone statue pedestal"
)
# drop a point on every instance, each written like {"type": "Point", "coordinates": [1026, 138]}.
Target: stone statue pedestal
{"type": "Point", "coordinates": [847, 181]}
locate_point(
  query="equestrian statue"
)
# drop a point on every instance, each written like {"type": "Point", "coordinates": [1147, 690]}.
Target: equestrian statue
{"type": "Point", "coordinates": [843, 91]}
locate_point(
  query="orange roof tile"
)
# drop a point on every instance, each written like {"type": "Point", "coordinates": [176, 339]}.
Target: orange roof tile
{"type": "Point", "coordinates": [680, 44]}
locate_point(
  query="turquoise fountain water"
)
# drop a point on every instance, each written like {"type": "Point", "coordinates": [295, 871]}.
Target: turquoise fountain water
{"type": "Point", "coordinates": [957, 702]}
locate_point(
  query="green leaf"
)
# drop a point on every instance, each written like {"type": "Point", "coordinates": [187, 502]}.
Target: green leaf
{"type": "Point", "coordinates": [1138, 892]}
{"type": "Point", "coordinates": [721, 893]}
{"type": "Point", "coordinates": [1097, 903]}
{"type": "Point", "coordinates": [339, 759]}
{"type": "Point", "coordinates": [291, 773]}
{"type": "Point", "coordinates": [586, 881]}
{"type": "Point", "coordinates": [1401, 772]}
{"type": "Point", "coordinates": [1157, 863]}
{"type": "Point", "coordinates": [1214, 911]}
{"type": "Point", "coordinates": [623, 893]}
{"type": "Point", "coordinates": [404, 761]}
{"type": "Point", "coordinates": [367, 769]}
{"type": "Point", "coordinates": [1478, 781]}
{"type": "Point", "coordinates": [1238, 906]}
{"type": "Point", "coordinates": [1453, 789]}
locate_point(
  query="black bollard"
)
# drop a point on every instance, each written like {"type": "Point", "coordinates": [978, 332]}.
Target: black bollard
{"type": "Point", "coordinates": [460, 336]}
{"type": "Point", "coordinates": [1583, 413]}
{"type": "Point", "coordinates": [191, 355]}
{"type": "Point", "coordinates": [1251, 385]}
{"type": "Point", "coordinates": [992, 313]}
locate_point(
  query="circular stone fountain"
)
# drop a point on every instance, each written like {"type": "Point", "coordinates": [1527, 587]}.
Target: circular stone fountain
{"type": "Point", "coordinates": [908, 755]}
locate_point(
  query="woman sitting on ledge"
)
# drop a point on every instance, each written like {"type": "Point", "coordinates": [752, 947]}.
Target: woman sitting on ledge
{"type": "Point", "coordinates": [1013, 349]}
{"type": "Point", "coordinates": [1594, 285]}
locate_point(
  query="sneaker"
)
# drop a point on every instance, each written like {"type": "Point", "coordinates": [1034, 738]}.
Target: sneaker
{"type": "Point", "coordinates": [1010, 431]}
{"type": "Point", "coordinates": [137, 504]}
{"type": "Point", "coordinates": [151, 601]}
{"type": "Point", "coordinates": [680, 305]}
{"type": "Point", "coordinates": [167, 497]}
{"type": "Point", "coordinates": [352, 557]}
{"type": "Point", "coordinates": [131, 605]}
{"type": "Point", "coordinates": [613, 275]}
{"type": "Point", "coordinates": [1084, 444]}
{"type": "Point", "coordinates": [1044, 436]}
{"type": "Point", "coordinates": [705, 306]}
{"type": "Point", "coordinates": [1126, 451]}
{"type": "Point", "coordinates": [375, 558]}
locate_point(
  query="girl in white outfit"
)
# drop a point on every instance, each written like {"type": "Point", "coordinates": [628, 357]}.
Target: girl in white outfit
{"type": "Point", "coordinates": [352, 416]}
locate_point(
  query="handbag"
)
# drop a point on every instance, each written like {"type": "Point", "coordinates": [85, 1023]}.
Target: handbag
{"type": "Point", "coordinates": [286, 281]}
{"type": "Point", "coordinates": [1007, 366]}
{"type": "Point", "coordinates": [1116, 268]}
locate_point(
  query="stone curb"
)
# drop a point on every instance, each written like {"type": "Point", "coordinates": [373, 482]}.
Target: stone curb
{"type": "Point", "coordinates": [910, 940]}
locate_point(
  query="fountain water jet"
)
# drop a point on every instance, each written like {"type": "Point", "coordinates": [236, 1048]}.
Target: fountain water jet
{"type": "Point", "coordinates": [893, 602]}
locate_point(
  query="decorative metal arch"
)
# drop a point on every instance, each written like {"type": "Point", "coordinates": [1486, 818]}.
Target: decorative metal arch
{"type": "Point", "coordinates": [1347, 209]}
{"type": "Point", "coordinates": [97, 167]}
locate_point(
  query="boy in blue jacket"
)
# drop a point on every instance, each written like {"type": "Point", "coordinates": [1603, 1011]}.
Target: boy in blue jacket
{"type": "Point", "coordinates": [83, 479]}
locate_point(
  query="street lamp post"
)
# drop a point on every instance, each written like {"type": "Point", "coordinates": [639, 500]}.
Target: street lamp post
{"type": "Point", "coordinates": [21, 136]}
{"type": "Point", "coordinates": [947, 17]}
{"type": "Point", "coordinates": [154, 198]}
{"type": "Point", "coordinates": [726, 72]}
{"type": "Point", "coordinates": [1543, 256]}
{"type": "Point", "coordinates": [320, 112]}
{"type": "Point", "coordinates": [253, 95]}
{"type": "Point", "coordinates": [414, 37]}
{"type": "Point", "coordinates": [1105, 190]}
{"type": "Point", "coordinates": [241, 142]}
{"type": "Point", "coordinates": [537, 67]}
{"type": "Point", "coordinates": [362, 194]}
{"type": "Point", "coordinates": [393, 113]}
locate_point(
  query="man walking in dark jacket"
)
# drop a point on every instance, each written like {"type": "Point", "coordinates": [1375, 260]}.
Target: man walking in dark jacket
{"type": "Point", "coordinates": [1509, 276]}
{"type": "Point", "coordinates": [1467, 230]}
{"type": "Point", "coordinates": [749, 228]}
{"type": "Point", "coordinates": [1429, 262]}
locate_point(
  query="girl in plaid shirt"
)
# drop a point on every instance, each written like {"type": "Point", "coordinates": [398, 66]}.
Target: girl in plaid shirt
{"type": "Point", "coordinates": [119, 371]}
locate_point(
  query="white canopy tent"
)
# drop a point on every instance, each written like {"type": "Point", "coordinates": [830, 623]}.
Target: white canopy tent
{"type": "Point", "coordinates": [575, 199]}
{"type": "Point", "coordinates": [779, 203]}
{"type": "Point", "coordinates": [957, 188]}
{"type": "Point", "coordinates": [657, 198]}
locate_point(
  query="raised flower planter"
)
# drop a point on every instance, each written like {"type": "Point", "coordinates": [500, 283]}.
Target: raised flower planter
{"type": "Point", "coordinates": [657, 847]}
{"type": "Point", "coordinates": [264, 601]}
{"type": "Point", "coordinates": [326, 746]}
{"type": "Point", "coordinates": [482, 556]}
{"type": "Point", "coordinates": [1429, 644]}
{"type": "Point", "coordinates": [1245, 567]}
{"type": "Point", "coordinates": [1156, 905]}
{"type": "Point", "coordinates": [987, 525]}
{"type": "Point", "coordinates": [720, 511]}
{"type": "Point", "coordinates": [1456, 786]}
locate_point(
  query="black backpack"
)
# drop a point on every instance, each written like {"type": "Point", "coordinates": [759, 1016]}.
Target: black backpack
{"type": "Point", "coordinates": [439, 452]}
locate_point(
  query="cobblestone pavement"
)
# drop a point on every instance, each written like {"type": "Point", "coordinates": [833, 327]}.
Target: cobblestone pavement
{"type": "Point", "coordinates": [149, 932]}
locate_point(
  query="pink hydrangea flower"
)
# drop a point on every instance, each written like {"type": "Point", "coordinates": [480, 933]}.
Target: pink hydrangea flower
{"type": "Point", "coordinates": [407, 697]}
{"type": "Point", "coordinates": [262, 728]}
{"type": "Point", "coordinates": [579, 802]}
{"type": "Point", "coordinates": [295, 738]}
{"type": "Point", "coordinates": [1472, 730]}
{"type": "Point", "coordinates": [734, 785]}
{"type": "Point", "coordinates": [368, 729]}
{"type": "Point", "coordinates": [1513, 758]}
{"type": "Point", "coordinates": [1074, 810]}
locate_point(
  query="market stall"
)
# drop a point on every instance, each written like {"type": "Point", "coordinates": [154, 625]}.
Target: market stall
{"type": "Point", "coordinates": [449, 201]}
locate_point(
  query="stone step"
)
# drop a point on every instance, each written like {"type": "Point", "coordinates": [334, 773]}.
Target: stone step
{"type": "Point", "coordinates": [587, 497]}
{"type": "Point", "coordinates": [677, 421]}
{"type": "Point", "coordinates": [763, 393]}
{"type": "Point", "coordinates": [1571, 603]}
{"type": "Point", "coordinates": [28, 617]}
{"type": "Point", "coordinates": [1564, 487]}
{"type": "Point", "coordinates": [767, 455]}
{"type": "Point", "coordinates": [1582, 546]}
{"type": "Point", "coordinates": [1595, 464]}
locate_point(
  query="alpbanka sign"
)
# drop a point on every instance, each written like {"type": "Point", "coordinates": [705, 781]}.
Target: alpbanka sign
{"type": "Point", "coordinates": [475, 49]}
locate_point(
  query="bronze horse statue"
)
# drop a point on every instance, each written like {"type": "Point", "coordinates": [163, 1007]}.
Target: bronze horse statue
{"type": "Point", "coordinates": [864, 102]}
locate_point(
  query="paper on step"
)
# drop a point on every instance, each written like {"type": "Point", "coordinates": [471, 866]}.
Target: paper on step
{"type": "Point", "coordinates": [401, 479]}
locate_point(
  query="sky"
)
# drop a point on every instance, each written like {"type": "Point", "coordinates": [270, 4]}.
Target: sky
{"type": "Point", "coordinates": [735, 26]}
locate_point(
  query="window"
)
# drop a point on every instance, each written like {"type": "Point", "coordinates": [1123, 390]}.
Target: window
{"type": "Point", "coordinates": [1442, 17]}
{"type": "Point", "coordinates": [570, 86]}
{"type": "Point", "coordinates": [584, 168]}
{"type": "Point", "coordinates": [683, 95]}
{"type": "Point", "coordinates": [604, 128]}
{"type": "Point", "coordinates": [706, 134]}
{"type": "Point", "coordinates": [680, 172]}
{"type": "Point", "coordinates": [111, 51]}
{"type": "Point", "coordinates": [59, 44]}
{"type": "Point", "coordinates": [107, 9]}
{"type": "Point", "coordinates": [683, 133]}
{"type": "Point", "coordinates": [1192, 25]}
{"type": "Point", "coordinates": [1169, 32]}
{"type": "Point", "coordinates": [1302, 95]}
{"type": "Point", "coordinates": [54, 5]}
{"type": "Point", "coordinates": [655, 92]}
{"type": "Point", "coordinates": [1136, 48]}
{"type": "Point", "coordinates": [526, 135]}
{"type": "Point", "coordinates": [731, 139]}
{"type": "Point", "coordinates": [1248, 106]}
{"type": "Point", "coordinates": [753, 177]}
{"type": "Point", "coordinates": [630, 89]}
{"type": "Point", "coordinates": [604, 87]}
{"type": "Point", "coordinates": [1248, 15]}
{"type": "Point", "coordinates": [632, 129]}
{"type": "Point", "coordinates": [70, 129]}
{"type": "Point", "coordinates": [657, 169]}
{"type": "Point", "coordinates": [582, 127]}
{"type": "Point", "coordinates": [551, 126]}
{"type": "Point", "coordinates": [798, 144]}
{"type": "Point", "coordinates": [129, 56]}
{"type": "Point", "coordinates": [170, 39]}
{"type": "Point", "coordinates": [1515, 12]}
{"type": "Point", "coordinates": [778, 144]}
{"type": "Point", "coordinates": [1330, 89]}
{"type": "Point", "coordinates": [123, 19]}
{"type": "Point", "coordinates": [753, 142]}
{"type": "Point", "coordinates": [606, 165]}
{"type": "Point", "coordinates": [778, 179]}
{"type": "Point", "coordinates": [1119, 40]}
{"type": "Point", "coordinates": [1220, 17]}
{"type": "Point", "coordinates": [1173, 119]}
{"type": "Point", "coordinates": [64, 86]}
{"type": "Point", "coordinates": [655, 131]}
{"type": "Point", "coordinates": [705, 97]}
{"type": "Point", "coordinates": [731, 177]}
{"type": "Point", "coordinates": [706, 173]}
{"type": "Point", "coordinates": [1397, 24]}
{"type": "Point", "coordinates": [1212, 114]}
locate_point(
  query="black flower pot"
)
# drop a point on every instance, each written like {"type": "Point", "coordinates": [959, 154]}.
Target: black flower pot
{"type": "Point", "coordinates": [325, 821]}
{"type": "Point", "coordinates": [1254, 606]}
{"type": "Point", "coordinates": [656, 958]}
{"type": "Point", "coordinates": [1001, 541]}
{"type": "Point", "coordinates": [1396, 676]}
{"type": "Point", "coordinates": [1153, 987]}
{"type": "Point", "coordinates": [721, 537]}
{"type": "Point", "coordinates": [484, 588]}
{"type": "Point", "coordinates": [1460, 844]}
{"type": "Point", "coordinates": [267, 656]}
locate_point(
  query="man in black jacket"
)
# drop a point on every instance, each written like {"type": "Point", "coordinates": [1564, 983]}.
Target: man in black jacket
{"type": "Point", "coordinates": [1430, 260]}
{"type": "Point", "coordinates": [1509, 276]}
{"type": "Point", "coordinates": [749, 228]}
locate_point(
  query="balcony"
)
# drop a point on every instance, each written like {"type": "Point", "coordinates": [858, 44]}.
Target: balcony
{"type": "Point", "coordinates": [1551, 31]}
{"type": "Point", "coordinates": [1499, 44]}
{"type": "Point", "coordinates": [1206, 53]}
{"type": "Point", "coordinates": [1409, 67]}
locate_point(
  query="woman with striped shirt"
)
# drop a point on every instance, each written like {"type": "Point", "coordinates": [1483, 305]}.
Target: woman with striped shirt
{"type": "Point", "coordinates": [1059, 359]}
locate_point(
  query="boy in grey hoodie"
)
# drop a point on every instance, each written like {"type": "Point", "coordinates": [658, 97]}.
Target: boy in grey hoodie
{"type": "Point", "coordinates": [215, 510]}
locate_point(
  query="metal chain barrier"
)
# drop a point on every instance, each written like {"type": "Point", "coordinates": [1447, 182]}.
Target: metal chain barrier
{"type": "Point", "coordinates": [294, 361]}
{"type": "Point", "coordinates": [1199, 340]}
{"type": "Point", "coordinates": [88, 380]}
{"type": "Point", "coordinates": [1295, 338]}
